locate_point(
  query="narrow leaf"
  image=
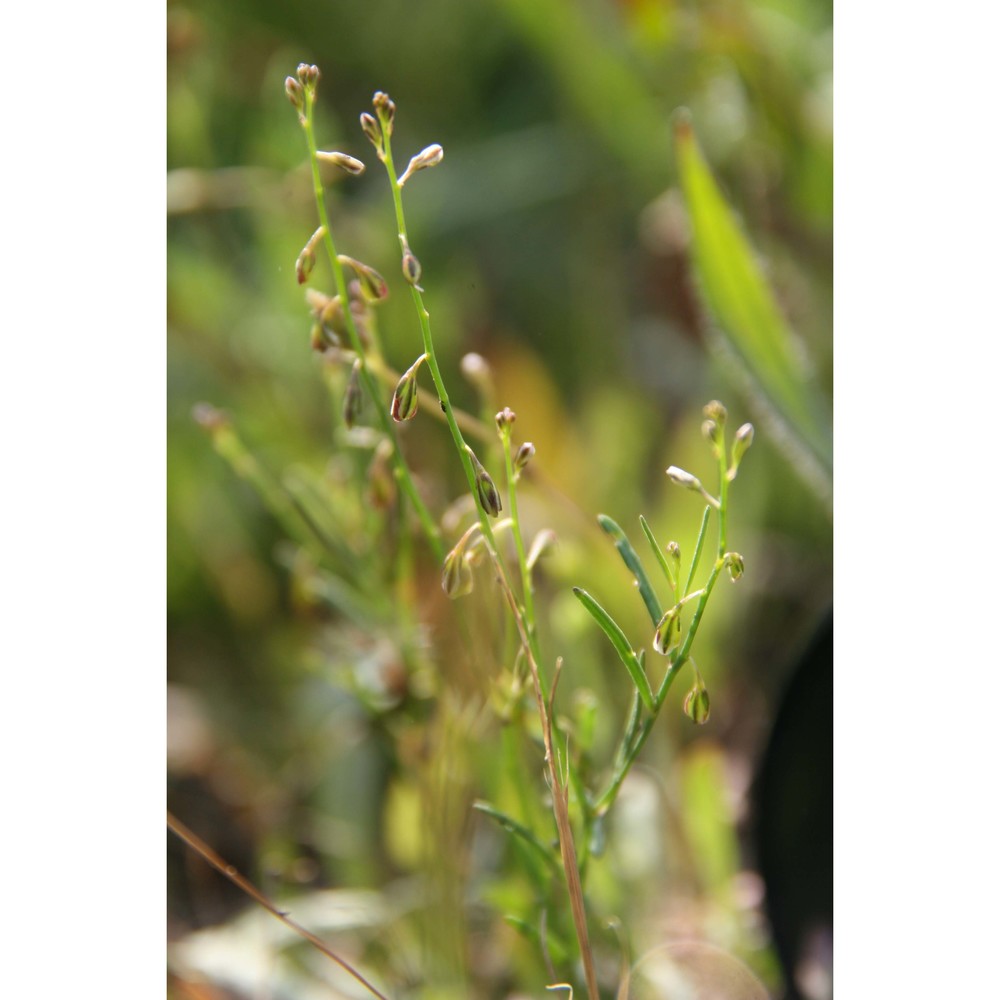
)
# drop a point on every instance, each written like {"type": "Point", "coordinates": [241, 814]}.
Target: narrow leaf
{"type": "Point", "coordinates": [614, 632]}
{"type": "Point", "coordinates": [631, 559]}
{"type": "Point", "coordinates": [512, 826]}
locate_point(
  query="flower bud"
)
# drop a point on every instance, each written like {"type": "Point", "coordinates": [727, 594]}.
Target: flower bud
{"type": "Point", "coordinates": [352, 397]}
{"type": "Point", "coordinates": [370, 127]}
{"type": "Point", "coordinates": [295, 93]}
{"type": "Point", "coordinates": [371, 284]}
{"type": "Point", "coordinates": [685, 479]}
{"type": "Point", "coordinates": [674, 552]}
{"type": "Point", "coordinates": [741, 445]}
{"type": "Point", "coordinates": [429, 157]}
{"type": "Point", "coordinates": [404, 399]}
{"type": "Point", "coordinates": [385, 108]}
{"type": "Point", "coordinates": [304, 265]}
{"type": "Point", "coordinates": [347, 163]}
{"type": "Point", "coordinates": [308, 75]}
{"type": "Point", "coordinates": [734, 563]}
{"type": "Point", "coordinates": [523, 456]}
{"type": "Point", "coordinates": [505, 418]}
{"type": "Point", "coordinates": [716, 411]}
{"type": "Point", "coordinates": [696, 705]}
{"type": "Point", "coordinates": [486, 491]}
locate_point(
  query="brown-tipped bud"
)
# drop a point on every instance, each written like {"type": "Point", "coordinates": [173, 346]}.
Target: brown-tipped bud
{"type": "Point", "coordinates": [404, 399]}
{"type": "Point", "coordinates": [304, 265]}
{"type": "Point", "coordinates": [505, 418]}
{"type": "Point", "coordinates": [696, 705]}
{"type": "Point", "coordinates": [371, 284]}
{"type": "Point", "coordinates": [308, 75]}
{"type": "Point", "coordinates": [685, 479]}
{"type": "Point", "coordinates": [370, 127]}
{"type": "Point", "coordinates": [716, 411]}
{"type": "Point", "coordinates": [385, 108]}
{"type": "Point", "coordinates": [668, 631]}
{"type": "Point", "coordinates": [486, 491]}
{"type": "Point", "coordinates": [295, 93]}
{"type": "Point", "coordinates": [734, 563]}
{"type": "Point", "coordinates": [411, 267]}
{"type": "Point", "coordinates": [524, 454]}
{"type": "Point", "coordinates": [674, 552]}
{"type": "Point", "coordinates": [209, 417]}
{"type": "Point", "coordinates": [352, 397]}
{"type": "Point", "coordinates": [429, 157]}
{"type": "Point", "coordinates": [347, 163]}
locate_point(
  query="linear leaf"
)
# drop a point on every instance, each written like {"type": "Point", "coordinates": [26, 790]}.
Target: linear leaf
{"type": "Point", "coordinates": [631, 559]}
{"type": "Point", "coordinates": [614, 632]}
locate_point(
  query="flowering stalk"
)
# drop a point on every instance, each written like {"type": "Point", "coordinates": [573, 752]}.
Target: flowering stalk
{"type": "Point", "coordinates": [306, 114]}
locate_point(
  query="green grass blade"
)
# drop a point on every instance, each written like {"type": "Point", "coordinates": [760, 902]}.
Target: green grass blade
{"type": "Point", "coordinates": [746, 313]}
{"type": "Point", "coordinates": [631, 559]}
{"type": "Point", "coordinates": [614, 632]}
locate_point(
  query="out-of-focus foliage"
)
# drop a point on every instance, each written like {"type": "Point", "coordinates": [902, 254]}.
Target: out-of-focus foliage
{"type": "Point", "coordinates": [331, 727]}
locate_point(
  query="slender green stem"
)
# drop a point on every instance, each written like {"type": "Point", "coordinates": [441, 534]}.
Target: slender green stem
{"type": "Point", "coordinates": [432, 364]}
{"type": "Point", "coordinates": [698, 546]}
{"type": "Point", "coordinates": [369, 382]}
{"type": "Point", "coordinates": [723, 497]}
{"type": "Point", "coordinates": [527, 587]}
{"type": "Point", "coordinates": [685, 651]}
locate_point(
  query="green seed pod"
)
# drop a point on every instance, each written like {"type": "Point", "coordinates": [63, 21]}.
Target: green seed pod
{"type": "Point", "coordinates": [734, 563]}
{"type": "Point", "coordinates": [668, 631]}
{"type": "Point", "coordinates": [697, 706]}
{"type": "Point", "coordinates": [404, 399]}
{"type": "Point", "coordinates": [411, 267]}
{"type": "Point", "coordinates": [486, 491]}
{"type": "Point", "coordinates": [370, 283]}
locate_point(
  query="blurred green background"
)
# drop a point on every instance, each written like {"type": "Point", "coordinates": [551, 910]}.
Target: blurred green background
{"type": "Point", "coordinates": [555, 242]}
